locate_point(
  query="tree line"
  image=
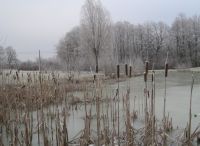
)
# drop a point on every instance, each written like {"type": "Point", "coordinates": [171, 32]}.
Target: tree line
{"type": "Point", "coordinates": [98, 42]}
{"type": "Point", "coordinates": [8, 57]}
{"type": "Point", "coordinates": [9, 60]}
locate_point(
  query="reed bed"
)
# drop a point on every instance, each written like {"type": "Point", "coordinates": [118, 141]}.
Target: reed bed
{"type": "Point", "coordinates": [35, 109]}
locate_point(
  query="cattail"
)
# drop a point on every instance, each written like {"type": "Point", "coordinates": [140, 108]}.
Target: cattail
{"type": "Point", "coordinates": [145, 76]}
{"type": "Point", "coordinates": [126, 69]}
{"type": "Point", "coordinates": [16, 136]}
{"type": "Point", "coordinates": [17, 75]}
{"type": "Point", "coordinates": [130, 71]}
{"type": "Point", "coordinates": [166, 66]}
{"type": "Point", "coordinates": [166, 69]}
{"type": "Point", "coordinates": [146, 66]}
{"type": "Point", "coordinates": [65, 133]}
{"type": "Point", "coordinates": [26, 131]}
{"type": "Point", "coordinates": [118, 70]}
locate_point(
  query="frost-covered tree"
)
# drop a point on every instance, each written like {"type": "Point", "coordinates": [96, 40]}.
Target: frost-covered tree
{"type": "Point", "coordinates": [194, 40]}
{"type": "Point", "coordinates": [179, 33]}
{"type": "Point", "coordinates": [68, 49]}
{"type": "Point", "coordinates": [2, 57]}
{"type": "Point", "coordinates": [185, 34]}
{"type": "Point", "coordinates": [95, 29]}
{"type": "Point", "coordinates": [130, 43]}
{"type": "Point", "coordinates": [122, 41]}
{"type": "Point", "coordinates": [160, 35]}
{"type": "Point", "coordinates": [11, 57]}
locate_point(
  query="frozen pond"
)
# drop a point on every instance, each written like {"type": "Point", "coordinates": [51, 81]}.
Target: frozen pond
{"type": "Point", "coordinates": [177, 103]}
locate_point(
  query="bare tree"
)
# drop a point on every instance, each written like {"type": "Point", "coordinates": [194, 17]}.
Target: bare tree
{"type": "Point", "coordinates": [127, 42]}
{"type": "Point", "coordinates": [11, 56]}
{"type": "Point", "coordinates": [179, 32]}
{"type": "Point", "coordinates": [139, 41]}
{"type": "Point", "coordinates": [95, 29]}
{"type": "Point", "coordinates": [2, 57]}
{"type": "Point", "coordinates": [160, 33]}
{"type": "Point", "coordinates": [68, 49]}
{"type": "Point", "coordinates": [28, 65]}
{"type": "Point", "coordinates": [194, 40]}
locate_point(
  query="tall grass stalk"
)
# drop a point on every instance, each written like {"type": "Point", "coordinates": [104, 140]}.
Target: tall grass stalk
{"type": "Point", "coordinates": [190, 112]}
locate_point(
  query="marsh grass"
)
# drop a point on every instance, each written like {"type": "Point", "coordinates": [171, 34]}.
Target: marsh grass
{"type": "Point", "coordinates": [37, 107]}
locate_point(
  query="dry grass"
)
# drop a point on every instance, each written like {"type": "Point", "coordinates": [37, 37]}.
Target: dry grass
{"type": "Point", "coordinates": [48, 96]}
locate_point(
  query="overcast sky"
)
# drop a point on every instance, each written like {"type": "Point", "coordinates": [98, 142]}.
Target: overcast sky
{"type": "Point", "coordinates": [30, 25]}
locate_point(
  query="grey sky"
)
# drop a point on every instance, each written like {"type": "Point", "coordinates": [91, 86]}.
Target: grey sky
{"type": "Point", "coordinates": [30, 25]}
